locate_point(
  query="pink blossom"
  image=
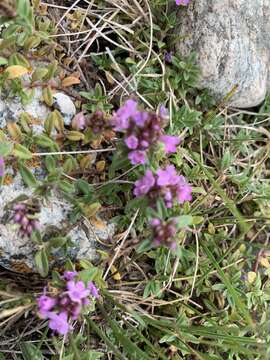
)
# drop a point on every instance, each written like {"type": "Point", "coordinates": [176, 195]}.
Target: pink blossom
{"type": "Point", "coordinates": [120, 120]}
{"type": "Point", "coordinates": [67, 304]}
{"type": "Point", "coordinates": [182, 2]}
{"type": "Point", "coordinates": [24, 217]}
{"type": "Point", "coordinates": [45, 304]}
{"type": "Point", "coordinates": [132, 142]}
{"type": "Point", "coordinates": [170, 143]}
{"type": "Point", "coordinates": [93, 290]}
{"type": "Point", "coordinates": [143, 130]}
{"type": "Point", "coordinates": [77, 291]}
{"type": "Point", "coordinates": [79, 121]}
{"type": "Point", "coordinates": [59, 322]}
{"type": "Point", "coordinates": [184, 191]}
{"type": "Point", "coordinates": [137, 157]}
{"type": "Point", "coordinates": [165, 184]}
{"type": "Point", "coordinates": [168, 176]}
{"type": "Point", "coordinates": [69, 275]}
{"type": "Point", "coordinates": [164, 232]}
{"type": "Point", "coordinates": [143, 186]}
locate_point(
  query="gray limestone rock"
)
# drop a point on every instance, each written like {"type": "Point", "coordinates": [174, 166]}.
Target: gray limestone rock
{"type": "Point", "coordinates": [12, 107]}
{"type": "Point", "coordinates": [232, 42]}
{"type": "Point", "coordinates": [17, 252]}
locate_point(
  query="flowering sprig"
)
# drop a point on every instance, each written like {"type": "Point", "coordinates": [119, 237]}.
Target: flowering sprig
{"type": "Point", "coordinates": [165, 184]}
{"type": "Point", "coordinates": [164, 232]}
{"type": "Point", "coordinates": [26, 217]}
{"type": "Point", "coordinates": [67, 304]}
{"type": "Point", "coordinates": [96, 121]}
{"type": "Point", "coordinates": [143, 130]}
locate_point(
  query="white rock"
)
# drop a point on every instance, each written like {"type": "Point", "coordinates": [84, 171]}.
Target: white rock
{"type": "Point", "coordinates": [66, 106]}
{"type": "Point", "coordinates": [232, 42]}
{"type": "Point", "coordinates": [11, 108]}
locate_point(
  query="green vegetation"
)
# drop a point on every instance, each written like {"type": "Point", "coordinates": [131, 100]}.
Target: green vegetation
{"type": "Point", "coordinates": [209, 298]}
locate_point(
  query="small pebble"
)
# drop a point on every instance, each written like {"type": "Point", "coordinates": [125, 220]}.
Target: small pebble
{"type": "Point", "coordinates": [65, 106]}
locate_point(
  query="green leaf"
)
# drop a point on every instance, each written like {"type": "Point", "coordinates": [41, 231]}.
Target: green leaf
{"type": "Point", "coordinates": [184, 220]}
{"type": "Point", "coordinates": [57, 242]}
{"type": "Point", "coordinates": [42, 263]}
{"type": "Point", "coordinates": [243, 224]}
{"type": "Point", "coordinates": [27, 176]}
{"type": "Point", "coordinates": [88, 274]}
{"type": "Point", "coordinates": [51, 70]}
{"type": "Point", "coordinates": [44, 141]}
{"type": "Point", "coordinates": [6, 148]}
{"type": "Point", "coordinates": [18, 59]}
{"type": "Point", "coordinates": [22, 152]}
{"type": "Point", "coordinates": [50, 163]}
{"type": "Point", "coordinates": [167, 338]}
{"type": "Point", "coordinates": [30, 351]}
{"type": "Point", "coordinates": [66, 186]}
{"type": "Point", "coordinates": [84, 187]}
{"type": "Point", "coordinates": [233, 292]}
{"type": "Point", "coordinates": [129, 346]}
{"type": "Point", "coordinates": [98, 330]}
{"type": "Point", "coordinates": [92, 355]}
{"type": "Point", "coordinates": [3, 61]}
{"type": "Point", "coordinates": [39, 74]}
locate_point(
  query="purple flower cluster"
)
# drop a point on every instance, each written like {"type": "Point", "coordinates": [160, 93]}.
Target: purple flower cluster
{"type": "Point", "coordinates": [164, 232]}
{"type": "Point", "coordinates": [182, 2]}
{"type": "Point", "coordinates": [165, 184]}
{"type": "Point", "coordinates": [26, 218]}
{"type": "Point", "coordinates": [143, 129]}
{"type": "Point", "coordinates": [96, 121]}
{"type": "Point", "coordinates": [2, 167]}
{"type": "Point", "coordinates": [67, 304]}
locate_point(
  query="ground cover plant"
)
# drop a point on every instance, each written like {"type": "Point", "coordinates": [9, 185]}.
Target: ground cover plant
{"type": "Point", "coordinates": [184, 178]}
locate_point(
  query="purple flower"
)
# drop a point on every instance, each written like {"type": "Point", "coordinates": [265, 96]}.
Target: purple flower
{"type": "Point", "coordinates": [77, 291]}
{"type": "Point", "coordinates": [75, 312]}
{"type": "Point", "coordinates": [24, 217]}
{"type": "Point", "coordinates": [45, 304]}
{"type": "Point", "coordinates": [137, 157]}
{"type": "Point", "coordinates": [93, 290]}
{"type": "Point", "coordinates": [67, 304]}
{"type": "Point", "coordinates": [143, 186]}
{"type": "Point", "coordinates": [120, 120]}
{"type": "Point", "coordinates": [165, 184]}
{"type": "Point", "coordinates": [59, 322]}
{"type": "Point", "coordinates": [79, 121]}
{"type": "Point", "coordinates": [69, 275]}
{"type": "Point", "coordinates": [140, 118]}
{"type": "Point", "coordinates": [163, 112]}
{"type": "Point", "coordinates": [164, 232]}
{"type": "Point", "coordinates": [155, 222]}
{"type": "Point", "coordinates": [168, 57]}
{"type": "Point", "coordinates": [170, 143]}
{"type": "Point", "coordinates": [143, 129]}
{"type": "Point", "coordinates": [184, 191]}
{"type": "Point", "coordinates": [182, 2]}
{"type": "Point", "coordinates": [2, 167]}
{"type": "Point", "coordinates": [167, 177]}
{"type": "Point", "coordinates": [132, 142]}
